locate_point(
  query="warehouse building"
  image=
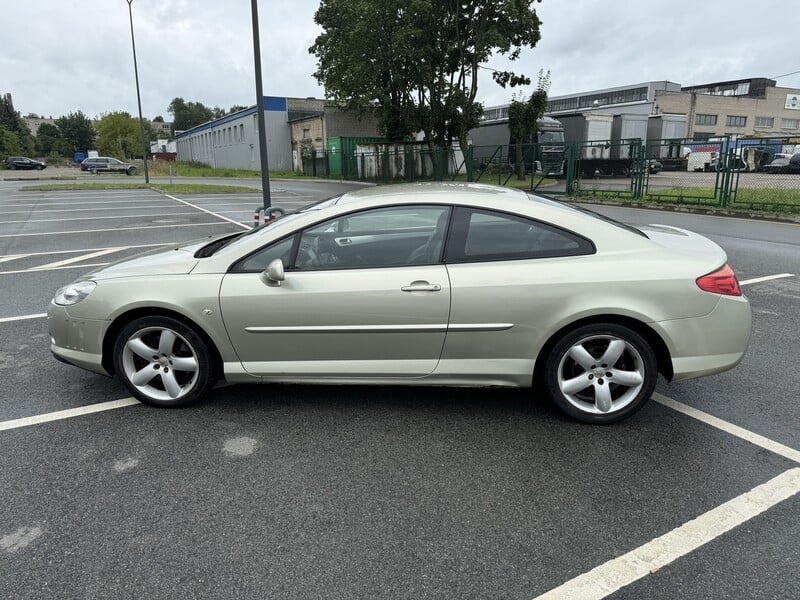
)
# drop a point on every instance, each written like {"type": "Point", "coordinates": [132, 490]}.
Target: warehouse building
{"type": "Point", "coordinates": [743, 107]}
{"type": "Point", "coordinates": [292, 124]}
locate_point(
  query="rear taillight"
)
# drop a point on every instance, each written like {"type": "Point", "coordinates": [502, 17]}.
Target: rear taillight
{"type": "Point", "coordinates": [721, 281]}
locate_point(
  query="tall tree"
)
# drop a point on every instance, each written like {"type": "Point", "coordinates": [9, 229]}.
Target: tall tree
{"type": "Point", "coordinates": [186, 115]}
{"type": "Point", "coordinates": [415, 63]}
{"type": "Point", "coordinates": [118, 135]}
{"type": "Point", "coordinates": [12, 123]}
{"type": "Point", "coordinates": [50, 140]}
{"type": "Point", "coordinates": [77, 130]}
{"type": "Point", "coordinates": [523, 116]}
{"type": "Point", "coordinates": [9, 143]}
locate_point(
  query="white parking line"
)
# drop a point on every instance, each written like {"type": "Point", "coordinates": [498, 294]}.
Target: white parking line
{"type": "Point", "coordinates": [123, 203]}
{"type": "Point", "coordinates": [148, 216]}
{"type": "Point", "coordinates": [735, 430]}
{"type": "Point", "coordinates": [66, 414]}
{"type": "Point", "coordinates": [74, 259]}
{"type": "Point", "coordinates": [22, 318]}
{"type": "Point", "coordinates": [12, 257]}
{"type": "Point", "coordinates": [42, 269]}
{"type": "Point", "coordinates": [118, 229]}
{"type": "Point", "coordinates": [636, 564]}
{"type": "Point", "coordinates": [49, 252]}
{"type": "Point", "coordinates": [766, 278]}
{"type": "Point", "coordinates": [219, 216]}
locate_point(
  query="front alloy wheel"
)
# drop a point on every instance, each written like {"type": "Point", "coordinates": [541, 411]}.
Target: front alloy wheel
{"type": "Point", "coordinates": [601, 373]}
{"type": "Point", "coordinates": [163, 362]}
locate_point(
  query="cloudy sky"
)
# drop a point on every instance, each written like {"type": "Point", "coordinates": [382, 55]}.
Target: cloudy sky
{"type": "Point", "coordinates": [60, 56]}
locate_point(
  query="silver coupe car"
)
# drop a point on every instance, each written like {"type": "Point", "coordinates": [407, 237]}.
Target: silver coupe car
{"type": "Point", "coordinates": [427, 284]}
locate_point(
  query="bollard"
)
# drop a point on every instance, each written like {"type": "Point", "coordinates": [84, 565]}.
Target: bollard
{"type": "Point", "coordinates": [259, 210]}
{"type": "Point", "coordinates": [273, 214]}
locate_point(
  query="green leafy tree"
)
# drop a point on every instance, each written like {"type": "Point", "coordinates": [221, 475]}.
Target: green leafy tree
{"type": "Point", "coordinates": [77, 131]}
{"type": "Point", "coordinates": [118, 135]}
{"type": "Point", "coordinates": [415, 63]}
{"type": "Point", "coordinates": [12, 123]}
{"type": "Point", "coordinates": [186, 115]}
{"type": "Point", "coordinates": [523, 116]}
{"type": "Point", "coordinates": [50, 140]}
{"type": "Point", "coordinates": [158, 119]}
{"type": "Point", "coordinates": [9, 143]}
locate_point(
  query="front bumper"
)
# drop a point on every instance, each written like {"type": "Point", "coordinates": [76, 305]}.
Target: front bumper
{"type": "Point", "coordinates": [78, 342]}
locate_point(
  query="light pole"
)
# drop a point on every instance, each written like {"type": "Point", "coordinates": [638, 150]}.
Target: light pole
{"type": "Point", "coordinates": [262, 127]}
{"type": "Point", "coordinates": [138, 95]}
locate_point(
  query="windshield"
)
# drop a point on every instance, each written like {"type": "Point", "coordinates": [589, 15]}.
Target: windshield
{"type": "Point", "coordinates": [551, 136]}
{"type": "Point", "coordinates": [236, 240]}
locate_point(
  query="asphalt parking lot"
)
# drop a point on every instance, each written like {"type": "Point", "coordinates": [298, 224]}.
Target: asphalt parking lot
{"type": "Point", "coordinates": [379, 492]}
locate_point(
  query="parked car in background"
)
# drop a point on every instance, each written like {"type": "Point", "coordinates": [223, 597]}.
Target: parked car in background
{"type": "Point", "coordinates": [783, 163]}
{"type": "Point", "coordinates": [105, 164]}
{"type": "Point", "coordinates": [439, 284]}
{"type": "Point", "coordinates": [23, 162]}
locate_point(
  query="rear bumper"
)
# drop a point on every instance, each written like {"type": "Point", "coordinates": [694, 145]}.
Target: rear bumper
{"type": "Point", "coordinates": [710, 344]}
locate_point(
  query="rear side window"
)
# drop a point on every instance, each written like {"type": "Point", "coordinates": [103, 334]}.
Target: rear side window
{"type": "Point", "coordinates": [482, 235]}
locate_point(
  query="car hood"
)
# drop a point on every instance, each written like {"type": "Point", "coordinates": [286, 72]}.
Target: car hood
{"type": "Point", "coordinates": [168, 260]}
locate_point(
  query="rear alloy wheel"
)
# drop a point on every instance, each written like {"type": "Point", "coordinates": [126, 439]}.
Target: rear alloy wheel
{"type": "Point", "coordinates": [163, 362]}
{"type": "Point", "coordinates": [601, 373]}
{"type": "Point", "coordinates": [131, 171]}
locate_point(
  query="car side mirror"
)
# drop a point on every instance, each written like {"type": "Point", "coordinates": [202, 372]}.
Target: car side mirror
{"type": "Point", "coordinates": [273, 275]}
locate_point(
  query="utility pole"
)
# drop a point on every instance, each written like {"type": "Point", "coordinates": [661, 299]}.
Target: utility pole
{"type": "Point", "coordinates": [262, 126]}
{"type": "Point", "coordinates": [138, 95]}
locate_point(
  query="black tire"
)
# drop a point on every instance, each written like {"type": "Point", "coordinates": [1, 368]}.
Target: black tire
{"type": "Point", "coordinates": [586, 390]}
{"type": "Point", "coordinates": [179, 358]}
{"type": "Point", "coordinates": [13, 167]}
{"type": "Point", "coordinates": [39, 167]}
{"type": "Point", "coordinates": [131, 171]}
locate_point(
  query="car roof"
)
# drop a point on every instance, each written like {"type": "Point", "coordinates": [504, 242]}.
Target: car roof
{"type": "Point", "coordinates": [478, 195]}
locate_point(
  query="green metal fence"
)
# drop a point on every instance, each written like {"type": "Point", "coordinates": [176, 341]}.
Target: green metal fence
{"type": "Point", "coordinates": [721, 173]}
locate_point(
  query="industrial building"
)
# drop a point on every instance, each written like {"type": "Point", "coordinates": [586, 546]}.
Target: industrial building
{"type": "Point", "coordinates": [743, 107]}
{"type": "Point", "coordinates": [291, 123]}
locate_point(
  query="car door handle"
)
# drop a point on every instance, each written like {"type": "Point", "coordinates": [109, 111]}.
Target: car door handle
{"type": "Point", "coordinates": [422, 286]}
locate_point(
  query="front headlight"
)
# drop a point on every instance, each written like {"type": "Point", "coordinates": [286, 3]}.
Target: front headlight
{"type": "Point", "coordinates": [74, 293]}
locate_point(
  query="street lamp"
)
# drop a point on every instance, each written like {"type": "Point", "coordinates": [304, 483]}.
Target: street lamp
{"type": "Point", "coordinates": [262, 127]}
{"type": "Point", "coordinates": [138, 95]}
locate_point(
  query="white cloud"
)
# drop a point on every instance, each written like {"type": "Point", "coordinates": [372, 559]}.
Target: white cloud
{"type": "Point", "coordinates": [76, 54]}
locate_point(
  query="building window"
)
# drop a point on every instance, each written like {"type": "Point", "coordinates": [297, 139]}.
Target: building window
{"type": "Point", "coordinates": [790, 123]}
{"type": "Point", "coordinates": [765, 121]}
{"type": "Point", "coordinates": [736, 121]}
{"type": "Point", "coordinates": [241, 132]}
{"type": "Point", "coordinates": [306, 134]}
{"type": "Point", "coordinates": [705, 119]}
{"type": "Point", "coordinates": [563, 104]}
{"type": "Point", "coordinates": [702, 136]}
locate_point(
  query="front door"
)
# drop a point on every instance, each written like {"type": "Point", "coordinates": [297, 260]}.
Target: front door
{"type": "Point", "coordinates": [363, 296]}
